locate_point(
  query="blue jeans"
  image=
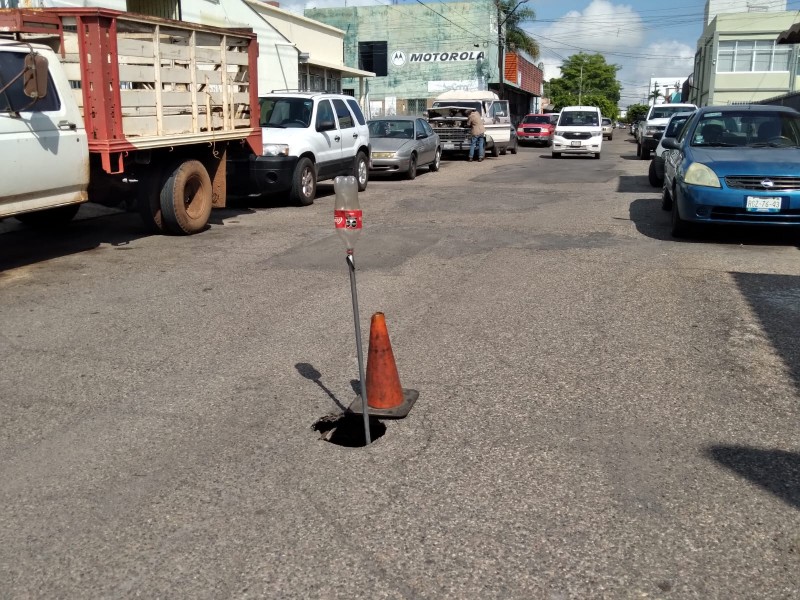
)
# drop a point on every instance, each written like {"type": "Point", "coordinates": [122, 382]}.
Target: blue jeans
{"type": "Point", "coordinates": [477, 140]}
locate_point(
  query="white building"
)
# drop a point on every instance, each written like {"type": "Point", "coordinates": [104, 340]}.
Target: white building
{"type": "Point", "coordinates": [667, 86]}
{"type": "Point", "coordinates": [715, 7]}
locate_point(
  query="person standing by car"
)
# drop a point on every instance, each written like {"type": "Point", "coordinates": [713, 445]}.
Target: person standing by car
{"type": "Point", "coordinates": [478, 132]}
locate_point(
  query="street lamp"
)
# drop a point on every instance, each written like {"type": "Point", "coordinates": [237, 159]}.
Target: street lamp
{"type": "Point", "coordinates": [501, 58]}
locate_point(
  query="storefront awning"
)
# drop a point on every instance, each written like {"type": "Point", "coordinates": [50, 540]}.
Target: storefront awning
{"type": "Point", "coordinates": [346, 71]}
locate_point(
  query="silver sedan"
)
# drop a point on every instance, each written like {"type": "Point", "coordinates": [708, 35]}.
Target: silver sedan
{"type": "Point", "coordinates": [402, 145]}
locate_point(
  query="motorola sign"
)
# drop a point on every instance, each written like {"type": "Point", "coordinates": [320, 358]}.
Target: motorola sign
{"type": "Point", "coordinates": [399, 57]}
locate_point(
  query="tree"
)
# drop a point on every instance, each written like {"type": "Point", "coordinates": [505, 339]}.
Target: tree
{"type": "Point", "coordinates": [586, 77]}
{"type": "Point", "coordinates": [637, 112]}
{"type": "Point", "coordinates": [516, 37]}
{"type": "Point", "coordinates": [655, 94]}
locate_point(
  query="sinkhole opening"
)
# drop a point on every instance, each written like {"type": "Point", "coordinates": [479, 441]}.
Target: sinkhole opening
{"type": "Point", "coordinates": [348, 430]}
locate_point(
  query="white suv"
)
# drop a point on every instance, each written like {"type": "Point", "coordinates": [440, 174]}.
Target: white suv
{"type": "Point", "coordinates": [309, 137]}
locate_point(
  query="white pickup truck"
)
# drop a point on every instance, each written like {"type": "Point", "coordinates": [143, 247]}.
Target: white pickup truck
{"type": "Point", "coordinates": [651, 129]}
{"type": "Point", "coordinates": [448, 117]}
{"type": "Point", "coordinates": [131, 103]}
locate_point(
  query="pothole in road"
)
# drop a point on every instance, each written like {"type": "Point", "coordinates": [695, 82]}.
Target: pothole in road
{"type": "Point", "coordinates": [348, 430]}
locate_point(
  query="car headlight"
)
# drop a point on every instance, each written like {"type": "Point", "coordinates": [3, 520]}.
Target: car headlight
{"type": "Point", "coordinates": [598, 132]}
{"type": "Point", "coordinates": [559, 132]}
{"type": "Point", "coordinates": [700, 174]}
{"type": "Point", "coordinates": [650, 130]}
{"type": "Point", "coordinates": [383, 154]}
{"type": "Point", "coordinates": [275, 150]}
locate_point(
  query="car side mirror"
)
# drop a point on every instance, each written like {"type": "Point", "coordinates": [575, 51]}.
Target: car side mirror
{"type": "Point", "coordinates": [326, 125]}
{"type": "Point", "coordinates": [34, 79]}
{"type": "Point", "coordinates": [422, 135]}
{"type": "Point", "coordinates": [670, 143]}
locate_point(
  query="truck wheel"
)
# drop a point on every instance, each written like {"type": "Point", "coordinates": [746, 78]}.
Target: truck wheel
{"type": "Point", "coordinates": [645, 153]}
{"type": "Point", "coordinates": [362, 171]}
{"type": "Point", "coordinates": [495, 152]}
{"type": "Point", "coordinates": [51, 217]}
{"type": "Point", "coordinates": [304, 183]}
{"type": "Point", "coordinates": [412, 167]}
{"type": "Point", "coordinates": [638, 149]}
{"type": "Point", "coordinates": [148, 202]}
{"type": "Point", "coordinates": [556, 154]}
{"type": "Point", "coordinates": [186, 198]}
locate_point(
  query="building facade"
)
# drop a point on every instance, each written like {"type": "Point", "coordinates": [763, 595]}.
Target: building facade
{"type": "Point", "coordinates": [715, 7]}
{"type": "Point", "coordinates": [738, 59]}
{"type": "Point", "coordinates": [418, 51]}
{"type": "Point", "coordinates": [294, 52]}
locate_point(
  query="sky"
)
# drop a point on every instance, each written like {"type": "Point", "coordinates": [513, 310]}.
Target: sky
{"type": "Point", "coordinates": [645, 38]}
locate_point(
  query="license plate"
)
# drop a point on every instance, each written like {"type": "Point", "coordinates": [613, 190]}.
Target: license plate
{"type": "Point", "coordinates": [761, 204]}
{"type": "Point", "coordinates": [448, 146]}
{"type": "Point", "coordinates": [575, 143]}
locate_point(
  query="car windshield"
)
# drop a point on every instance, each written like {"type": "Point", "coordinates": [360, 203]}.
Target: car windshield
{"type": "Point", "coordinates": [579, 118]}
{"type": "Point", "coordinates": [751, 128]}
{"type": "Point", "coordinates": [286, 112]}
{"type": "Point", "coordinates": [665, 112]}
{"type": "Point", "coordinates": [400, 129]}
{"type": "Point", "coordinates": [607, 122]}
{"type": "Point", "coordinates": [536, 119]}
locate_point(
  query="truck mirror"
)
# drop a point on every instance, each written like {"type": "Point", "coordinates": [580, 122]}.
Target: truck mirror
{"type": "Point", "coordinates": [34, 79]}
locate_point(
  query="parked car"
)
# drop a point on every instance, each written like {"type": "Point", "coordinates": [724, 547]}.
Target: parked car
{"type": "Point", "coordinates": [734, 165]}
{"type": "Point", "coordinates": [402, 145]}
{"type": "Point", "coordinates": [608, 129]}
{"type": "Point", "coordinates": [656, 172]}
{"type": "Point", "coordinates": [651, 129]}
{"type": "Point", "coordinates": [298, 134]}
{"type": "Point", "coordinates": [536, 129]}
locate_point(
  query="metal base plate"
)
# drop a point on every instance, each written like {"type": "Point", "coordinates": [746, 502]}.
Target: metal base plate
{"type": "Point", "coordinates": [398, 412]}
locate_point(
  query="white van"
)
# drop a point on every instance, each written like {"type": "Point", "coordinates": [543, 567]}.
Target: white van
{"type": "Point", "coordinates": [578, 131]}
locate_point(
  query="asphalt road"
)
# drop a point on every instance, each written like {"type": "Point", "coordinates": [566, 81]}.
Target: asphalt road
{"type": "Point", "coordinates": [604, 412]}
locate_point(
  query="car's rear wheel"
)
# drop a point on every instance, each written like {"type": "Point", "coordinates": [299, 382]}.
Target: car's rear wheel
{"type": "Point", "coordinates": [666, 199]}
{"type": "Point", "coordinates": [412, 167]}
{"type": "Point", "coordinates": [652, 175]}
{"type": "Point", "coordinates": [362, 171]}
{"type": "Point", "coordinates": [434, 166]}
{"type": "Point", "coordinates": [645, 153]}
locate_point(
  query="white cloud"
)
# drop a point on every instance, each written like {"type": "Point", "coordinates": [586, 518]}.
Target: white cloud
{"type": "Point", "coordinates": [617, 32]}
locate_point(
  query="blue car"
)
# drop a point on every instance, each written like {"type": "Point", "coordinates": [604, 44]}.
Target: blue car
{"type": "Point", "coordinates": [734, 165]}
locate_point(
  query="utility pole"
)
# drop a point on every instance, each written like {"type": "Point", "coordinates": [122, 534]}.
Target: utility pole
{"type": "Point", "coordinates": [580, 89]}
{"type": "Point", "coordinates": [501, 55]}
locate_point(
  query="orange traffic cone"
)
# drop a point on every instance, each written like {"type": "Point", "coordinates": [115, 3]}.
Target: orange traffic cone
{"type": "Point", "coordinates": [385, 397]}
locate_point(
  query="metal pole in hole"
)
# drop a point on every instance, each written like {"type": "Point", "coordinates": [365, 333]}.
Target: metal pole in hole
{"type": "Point", "coordinates": [352, 268]}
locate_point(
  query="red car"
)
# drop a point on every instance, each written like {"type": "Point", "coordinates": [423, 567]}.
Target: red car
{"type": "Point", "coordinates": [536, 129]}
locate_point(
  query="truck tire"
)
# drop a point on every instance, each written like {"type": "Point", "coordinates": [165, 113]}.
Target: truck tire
{"type": "Point", "coordinates": [186, 198]}
{"type": "Point", "coordinates": [304, 182]}
{"type": "Point", "coordinates": [148, 201]}
{"type": "Point", "coordinates": [48, 218]}
{"type": "Point", "coordinates": [361, 171]}
{"type": "Point", "coordinates": [645, 153]}
{"type": "Point", "coordinates": [495, 152]}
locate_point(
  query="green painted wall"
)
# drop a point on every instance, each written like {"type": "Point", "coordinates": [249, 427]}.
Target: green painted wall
{"type": "Point", "coordinates": [465, 33]}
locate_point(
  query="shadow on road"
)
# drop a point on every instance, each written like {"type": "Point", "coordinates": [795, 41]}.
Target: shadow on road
{"type": "Point", "coordinates": [634, 184]}
{"type": "Point", "coordinates": [775, 300]}
{"type": "Point", "coordinates": [776, 471]}
{"type": "Point", "coordinates": [309, 372]}
{"type": "Point", "coordinates": [653, 222]}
